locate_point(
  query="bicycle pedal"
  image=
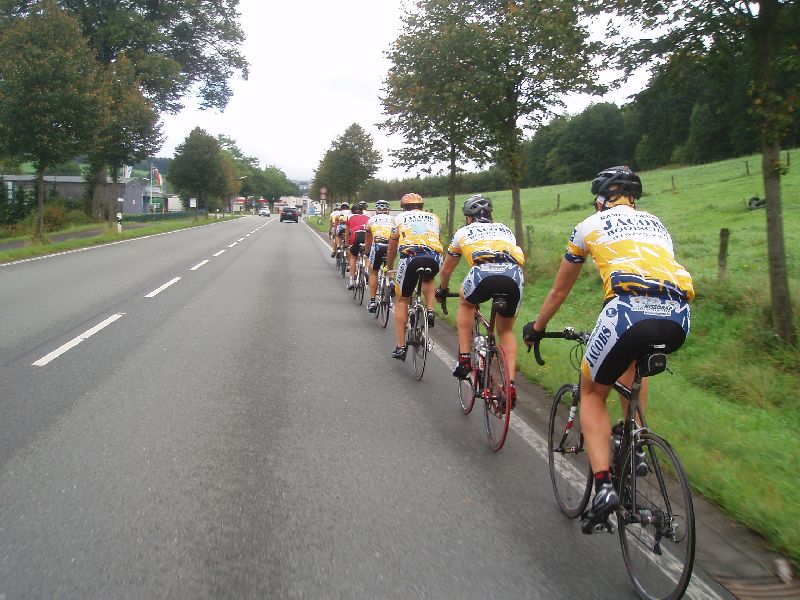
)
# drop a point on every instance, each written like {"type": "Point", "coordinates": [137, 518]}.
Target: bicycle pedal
{"type": "Point", "coordinates": [606, 527]}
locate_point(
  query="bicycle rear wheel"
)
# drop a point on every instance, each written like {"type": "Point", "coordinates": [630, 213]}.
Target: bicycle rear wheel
{"type": "Point", "coordinates": [385, 305]}
{"type": "Point", "coordinates": [570, 471]}
{"type": "Point", "coordinates": [496, 409]}
{"type": "Point", "coordinates": [361, 284]}
{"type": "Point", "coordinates": [419, 341]}
{"type": "Point", "coordinates": [656, 524]}
{"type": "Point", "coordinates": [343, 264]}
{"type": "Point", "coordinates": [466, 391]}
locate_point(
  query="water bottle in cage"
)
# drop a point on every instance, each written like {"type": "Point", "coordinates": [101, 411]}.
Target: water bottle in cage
{"type": "Point", "coordinates": [479, 351]}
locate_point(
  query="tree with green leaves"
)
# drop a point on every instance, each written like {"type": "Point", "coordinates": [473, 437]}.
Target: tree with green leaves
{"type": "Point", "coordinates": [526, 56]}
{"type": "Point", "coordinates": [174, 45]}
{"type": "Point", "coordinates": [768, 28]}
{"type": "Point", "coordinates": [427, 97]}
{"type": "Point", "coordinates": [202, 170]}
{"type": "Point", "coordinates": [53, 104]}
{"type": "Point", "coordinates": [349, 164]}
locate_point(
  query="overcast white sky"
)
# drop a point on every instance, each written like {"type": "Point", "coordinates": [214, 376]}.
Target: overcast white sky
{"type": "Point", "coordinates": [316, 67]}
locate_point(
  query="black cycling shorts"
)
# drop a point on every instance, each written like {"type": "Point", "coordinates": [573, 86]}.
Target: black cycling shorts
{"type": "Point", "coordinates": [635, 341]}
{"type": "Point", "coordinates": [407, 275]}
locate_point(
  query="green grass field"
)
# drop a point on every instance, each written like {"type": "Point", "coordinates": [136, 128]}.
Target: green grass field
{"type": "Point", "coordinates": [731, 407]}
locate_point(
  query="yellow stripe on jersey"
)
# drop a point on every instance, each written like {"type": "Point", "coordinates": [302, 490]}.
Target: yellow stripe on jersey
{"type": "Point", "coordinates": [416, 230]}
{"type": "Point", "coordinates": [485, 243]}
{"type": "Point", "coordinates": [633, 252]}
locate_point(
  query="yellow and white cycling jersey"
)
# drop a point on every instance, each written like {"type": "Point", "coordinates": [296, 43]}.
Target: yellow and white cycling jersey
{"type": "Point", "coordinates": [335, 216]}
{"type": "Point", "coordinates": [343, 216]}
{"type": "Point", "coordinates": [417, 232]}
{"type": "Point", "coordinates": [482, 243]}
{"type": "Point", "coordinates": [381, 227]}
{"type": "Point", "coordinates": [633, 252]}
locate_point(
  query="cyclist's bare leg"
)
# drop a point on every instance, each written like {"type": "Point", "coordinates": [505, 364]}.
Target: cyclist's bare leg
{"type": "Point", "coordinates": [627, 380]}
{"type": "Point", "coordinates": [507, 341]}
{"type": "Point", "coordinates": [595, 424]}
{"type": "Point", "coordinates": [334, 241]}
{"type": "Point", "coordinates": [351, 260]}
{"type": "Point", "coordinates": [373, 280]}
{"type": "Point", "coordinates": [429, 291]}
{"type": "Point", "coordinates": [465, 317]}
{"type": "Point", "coordinates": [400, 319]}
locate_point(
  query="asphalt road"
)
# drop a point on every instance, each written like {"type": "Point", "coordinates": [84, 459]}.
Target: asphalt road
{"type": "Point", "coordinates": [243, 433]}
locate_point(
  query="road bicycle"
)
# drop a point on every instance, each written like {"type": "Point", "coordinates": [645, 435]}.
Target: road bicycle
{"type": "Point", "coordinates": [384, 295]}
{"type": "Point", "coordinates": [655, 518]}
{"type": "Point", "coordinates": [417, 337]}
{"type": "Point", "coordinates": [489, 376]}
{"type": "Point", "coordinates": [341, 259]}
{"type": "Point", "coordinates": [360, 278]}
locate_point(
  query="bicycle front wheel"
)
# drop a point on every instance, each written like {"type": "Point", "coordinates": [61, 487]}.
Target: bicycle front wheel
{"type": "Point", "coordinates": [385, 306]}
{"type": "Point", "coordinates": [496, 408]}
{"type": "Point", "coordinates": [570, 471]}
{"type": "Point", "coordinates": [343, 264]}
{"type": "Point", "coordinates": [419, 342]}
{"type": "Point", "coordinates": [656, 522]}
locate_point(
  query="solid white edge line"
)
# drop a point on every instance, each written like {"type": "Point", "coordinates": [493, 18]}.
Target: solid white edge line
{"type": "Point", "coordinates": [163, 287]}
{"type": "Point", "coordinates": [200, 264]}
{"type": "Point", "coordinates": [76, 250]}
{"type": "Point", "coordinates": [75, 341]}
{"type": "Point", "coordinates": [218, 253]}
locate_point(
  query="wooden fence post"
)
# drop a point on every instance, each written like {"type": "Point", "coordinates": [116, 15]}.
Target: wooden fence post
{"type": "Point", "coordinates": [747, 168]}
{"type": "Point", "coordinates": [558, 202]}
{"type": "Point", "coordinates": [674, 189]}
{"type": "Point", "coordinates": [722, 259]}
{"type": "Point", "coordinates": [528, 229]}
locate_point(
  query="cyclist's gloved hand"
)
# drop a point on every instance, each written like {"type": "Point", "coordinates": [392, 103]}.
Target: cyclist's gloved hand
{"type": "Point", "coordinates": [441, 293]}
{"type": "Point", "coordinates": [530, 335]}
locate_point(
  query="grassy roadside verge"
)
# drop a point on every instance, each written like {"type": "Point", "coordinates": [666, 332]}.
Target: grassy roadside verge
{"type": "Point", "coordinates": [108, 235]}
{"type": "Point", "coordinates": [731, 407]}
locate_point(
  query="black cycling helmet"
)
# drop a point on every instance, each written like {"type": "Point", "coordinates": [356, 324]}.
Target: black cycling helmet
{"type": "Point", "coordinates": [344, 206]}
{"type": "Point", "coordinates": [362, 205]}
{"type": "Point", "coordinates": [381, 205]}
{"type": "Point", "coordinates": [477, 207]}
{"type": "Point", "coordinates": [616, 181]}
{"type": "Point", "coordinates": [359, 207]}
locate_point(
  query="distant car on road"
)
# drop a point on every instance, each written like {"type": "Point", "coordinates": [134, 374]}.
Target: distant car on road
{"type": "Point", "coordinates": [290, 213]}
{"type": "Point", "coordinates": [263, 212]}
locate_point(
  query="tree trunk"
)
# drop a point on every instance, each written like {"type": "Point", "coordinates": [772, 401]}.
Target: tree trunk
{"type": "Point", "coordinates": [515, 179]}
{"type": "Point", "coordinates": [40, 203]}
{"type": "Point", "coordinates": [782, 317]}
{"type": "Point", "coordinates": [769, 111]}
{"type": "Point", "coordinates": [100, 208]}
{"type": "Point", "coordinates": [451, 194]}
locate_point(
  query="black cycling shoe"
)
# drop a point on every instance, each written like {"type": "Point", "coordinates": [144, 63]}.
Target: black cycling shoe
{"type": "Point", "coordinates": [431, 319]}
{"type": "Point", "coordinates": [512, 391]}
{"type": "Point", "coordinates": [462, 371]}
{"type": "Point", "coordinates": [399, 353]}
{"type": "Point", "coordinates": [351, 285]}
{"type": "Point", "coordinates": [596, 517]}
{"type": "Point", "coordinates": [373, 306]}
{"type": "Point", "coordinates": [333, 254]}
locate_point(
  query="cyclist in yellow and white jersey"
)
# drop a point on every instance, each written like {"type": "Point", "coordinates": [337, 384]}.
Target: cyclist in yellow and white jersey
{"type": "Point", "coordinates": [646, 301]}
{"type": "Point", "coordinates": [338, 223]}
{"type": "Point", "coordinates": [332, 228]}
{"type": "Point", "coordinates": [379, 228]}
{"type": "Point", "coordinates": [415, 239]}
{"type": "Point", "coordinates": [495, 262]}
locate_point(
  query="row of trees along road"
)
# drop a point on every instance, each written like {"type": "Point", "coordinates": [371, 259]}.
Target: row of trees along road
{"type": "Point", "coordinates": [91, 78]}
{"type": "Point", "coordinates": [211, 169]}
{"type": "Point", "coordinates": [468, 77]}
{"type": "Point", "coordinates": [347, 166]}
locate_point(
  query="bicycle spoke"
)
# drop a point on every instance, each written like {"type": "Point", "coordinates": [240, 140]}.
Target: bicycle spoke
{"type": "Point", "coordinates": [466, 392]}
{"type": "Point", "coordinates": [656, 525]}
